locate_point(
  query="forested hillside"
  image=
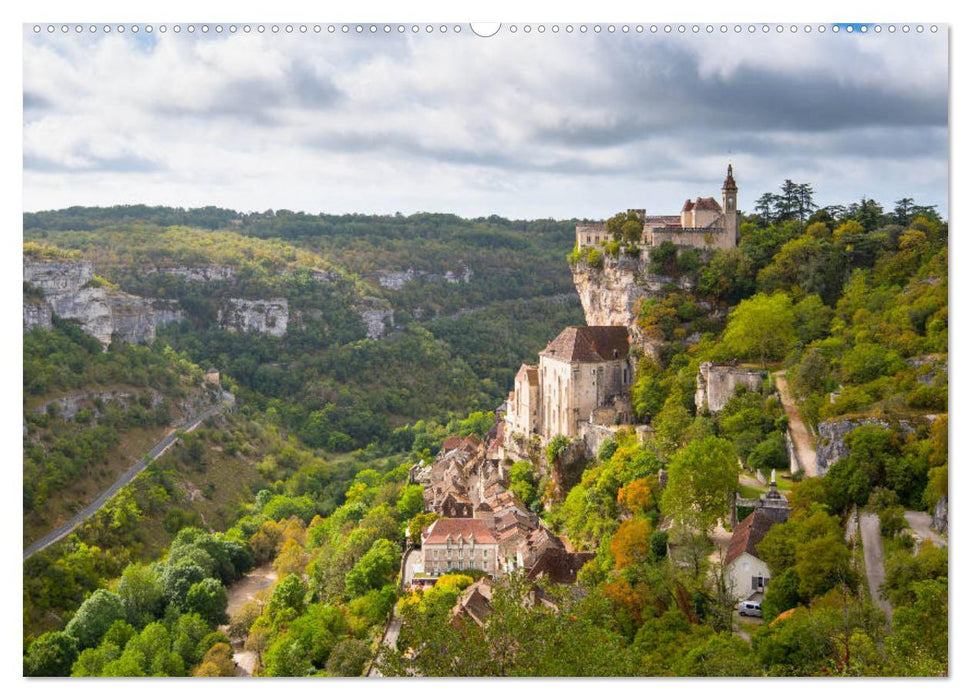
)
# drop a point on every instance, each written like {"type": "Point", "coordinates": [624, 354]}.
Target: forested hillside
{"type": "Point", "coordinates": [849, 304]}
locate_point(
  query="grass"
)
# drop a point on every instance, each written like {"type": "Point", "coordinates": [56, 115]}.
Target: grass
{"type": "Point", "coordinates": [746, 491]}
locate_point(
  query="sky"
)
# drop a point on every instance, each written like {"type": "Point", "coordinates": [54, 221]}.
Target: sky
{"type": "Point", "coordinates": [520, 125]}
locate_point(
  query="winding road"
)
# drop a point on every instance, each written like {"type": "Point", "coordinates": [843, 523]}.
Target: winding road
{"type": "Point", "coordinates": [873, 556]}
{"type": "Point", "coordinates": [157, 451]}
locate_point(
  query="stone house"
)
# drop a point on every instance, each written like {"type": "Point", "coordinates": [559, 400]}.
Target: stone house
{"type": "Point", "coordinates": [212, 376]}
{"type": "Point", "coordinates": [453, 544]}
{"type": "Point", "coordinates": [702, 223]}
{"type": "Point", "coordinates": [717, 383]}
{"type": "Point", "coordinates": [522, 415]}
{"type": "Point", "coordinates": [745, 572]}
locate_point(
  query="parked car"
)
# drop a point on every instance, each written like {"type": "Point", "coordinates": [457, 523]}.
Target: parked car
{"type": "Point", "coordinates": [750, 608]}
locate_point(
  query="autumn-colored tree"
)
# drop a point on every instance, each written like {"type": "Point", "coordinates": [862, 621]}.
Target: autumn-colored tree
{"type": "Point", "coordinates": [292, 559]}
{"type": "Point", "coordinates": [636, 497]}
{"type": "Point", "coordinates": [631, 544]}
{"type": "Point", "coordinates": [218, 661]}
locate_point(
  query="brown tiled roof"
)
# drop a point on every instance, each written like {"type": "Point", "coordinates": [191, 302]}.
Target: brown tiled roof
{"type": "Point", "coordinates": [483, 507]}
{"type": "Point", "coordinates": [559, 566]}
{"type": "Point", "coordinates": [453, 442]}
{"type": "Point", "coordinates": [688, 205]}
{"type": "Point", "coordinates": [590, 344]}
{"type": "Point", "coordinates": [707, 203]}
{"type": "Point", "coordinates": [747, 535]}
{"type": "Point", "coordinates": [457, 497]}
{"type": "Point", "coordinates": [465, 528]}
{"type": "Point", "coordinates": [729, 183]}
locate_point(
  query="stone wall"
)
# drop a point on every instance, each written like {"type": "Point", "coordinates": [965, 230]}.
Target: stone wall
{"type": "Point", "coordinates": [716, 384]}
{"type": "Point", "coordinates": [939, 517]}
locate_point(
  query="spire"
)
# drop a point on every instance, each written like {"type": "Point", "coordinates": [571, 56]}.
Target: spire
{"type": "Point", "coordinates": [729, 180]}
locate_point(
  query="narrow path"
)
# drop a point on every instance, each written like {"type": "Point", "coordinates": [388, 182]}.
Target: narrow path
{"type": "Point", "coordinates": [920, 523]}
{"type": "Point", "coordinates": [157, 451]}
{"type": "Point", "coordinates": [240, 593]}
{"type": "Point", "coordinates": [873, 556]}
{"type": "Point", "coordinates": [804, 441]}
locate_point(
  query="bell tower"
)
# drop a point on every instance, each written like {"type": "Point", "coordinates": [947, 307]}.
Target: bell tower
{"type": "Point", "coordinates": [730, 206]}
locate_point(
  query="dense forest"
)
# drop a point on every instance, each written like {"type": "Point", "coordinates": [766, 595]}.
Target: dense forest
{"type": "Point", "coordinates": [850, 303]}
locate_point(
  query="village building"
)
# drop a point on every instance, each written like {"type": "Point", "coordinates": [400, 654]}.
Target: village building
{"type": "Point", "coordinates": [212, 376]}
{"type": "Point", "coordinates": [702, 223]}
{"type": "Point", "coordinates": [454, 544]}
{"type": "Point", "coordinates": [746, 573]}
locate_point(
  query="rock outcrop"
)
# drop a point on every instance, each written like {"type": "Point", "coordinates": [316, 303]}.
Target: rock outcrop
{"type": "Point", "coordinates": [209, 273]}
{"type": "Point", "coordinates": [397, 279]}
{"type": "Point", "coordinates": [831, 438]}
{"type": "Point", "coordinates": [37, 316]}
{"type": "Point", "coordinates": [939, 517]}
{"type": "Point", "coordinates": [266, 316]}
{"type": "Point", "coordinates": [72, 293]}
{"type": "Point", "coordinates": [610, 293]}
{"type": "Point", "coordinates": [376, 321]}
{"type": "Point", "coordinates": [716, 384]}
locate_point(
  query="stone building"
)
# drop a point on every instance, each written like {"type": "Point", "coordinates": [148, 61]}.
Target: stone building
{"type": "Point", "coordinates": [453, 544]}
{"type": "Point", "coordinates": [585, 368]}
{"type": "Point", "coordinates": [702, 223]}
{"type": "Point", "coordinates": [716, 384]}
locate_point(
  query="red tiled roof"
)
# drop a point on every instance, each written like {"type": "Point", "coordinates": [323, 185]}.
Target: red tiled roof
{"type": "Point", "coordinates": [465, 528]}
{"type": "Point", "coordinates": [688, 205]}
{"type": "Point", "coordinates": [747, 535]}
{"type": "Point", "coordinates": [589, 344]}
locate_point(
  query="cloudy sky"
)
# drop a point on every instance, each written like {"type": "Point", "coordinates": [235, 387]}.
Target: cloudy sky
{"type": "Point", "coordinates": [521, 125]}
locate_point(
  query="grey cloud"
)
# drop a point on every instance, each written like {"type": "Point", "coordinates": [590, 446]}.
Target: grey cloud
{"type": "Point", "coordinates": [93, 164]}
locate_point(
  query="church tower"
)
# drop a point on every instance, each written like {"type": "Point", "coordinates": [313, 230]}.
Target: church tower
{"type": "Point", "coordinates": [730, 206]}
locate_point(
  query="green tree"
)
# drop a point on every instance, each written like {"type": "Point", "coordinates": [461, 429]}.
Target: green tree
{"type": "Point", "coordinates": [348, 658]}
{"type": "Point", "coordinates": [373, 569]}
{"type": "Point", "coordinates": [208, 598]}
{"type": "Point", "coordinates": [412, 501]}
{"type": "Point", "coordinates": [761, 327]}
{"type": "Point", "coordinates": [290, 593]}
{"type": "Point", "coordinates": [141, 594]}
{"type": "Point", "coordinates": [702, 478]}
{"type": "Point", "coordinates": [51, 654]}
{"type": "Point", "coordinates": [94, 617]}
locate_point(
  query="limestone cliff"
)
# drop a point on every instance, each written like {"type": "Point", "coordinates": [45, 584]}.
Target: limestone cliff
{"type": "Point", "coordinates": [268, 316]}
{"type": "Point", "coordinates": [831, 438]}
{"type": "Point", "coordinates": [610, 293]}
{"type": "Point", "coordinates": [71, 293]}
{"type": "Point", "coordinates": [397, 279]}
{"type": "Point", "coordinates": [209, 273]}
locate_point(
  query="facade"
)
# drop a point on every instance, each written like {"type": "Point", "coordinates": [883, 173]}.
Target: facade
{"type": "Point", "coordinates": [745, 572]}
{"type": "Point", "coordinates": [584, 369]}
{"type": "Point", "coordinates": [716, 384]}
{"type": "Point", "coordinates": [454, 544]}
{"type": "Point", "coordinates": [702, 223]}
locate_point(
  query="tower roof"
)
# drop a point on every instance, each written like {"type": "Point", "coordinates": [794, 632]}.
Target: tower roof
{"type": "Point", "coordinates": [729, 180]}
{"type": "Point", "coordinates": [589, 344]}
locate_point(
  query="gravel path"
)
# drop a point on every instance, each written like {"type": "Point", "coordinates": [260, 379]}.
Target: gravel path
{"type": "Point", "coordinates": [920, 523]}
{"type": "Point", "coordinates": [873, 556]}
{"type": "Point", "coordinates": [803, 439]}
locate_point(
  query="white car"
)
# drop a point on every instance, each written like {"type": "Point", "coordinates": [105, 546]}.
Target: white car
{"type": "Point", "coordinates": [750, 608]}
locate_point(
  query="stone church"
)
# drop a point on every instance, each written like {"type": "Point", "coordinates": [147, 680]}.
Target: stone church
{"type": "Point", "coordinates": [583, 370]}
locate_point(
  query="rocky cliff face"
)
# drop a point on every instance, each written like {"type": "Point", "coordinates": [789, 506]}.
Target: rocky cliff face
{"type": "Point", "coordinates": [37, 316]}
{"type": "Point", "coordinates": [397, 279]}
{"type": "Point", "coordinates": [831, 438]}
{"type": "Point", "coordinates": [377, 321]}
{"type": "Point", "coordinates": [609, 294]}
{"type": "Point", "coordinates": [210, 273]}
{"type": "Point", "coordinates": [268, 316]}
{"type": "Point", "coordinates": [939, 518]}
{"type": "Point", "coordinates": [70, 293]}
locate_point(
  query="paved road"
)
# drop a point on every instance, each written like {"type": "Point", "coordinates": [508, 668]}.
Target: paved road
{"type": "Point", "coordinates": [873, 556]}
{"type": "Point", "coordinates": [803, 439]}
{"type": "Point", "coordinates": [920, 523]}
{"type": "Point", "coordinates": [157, 451]}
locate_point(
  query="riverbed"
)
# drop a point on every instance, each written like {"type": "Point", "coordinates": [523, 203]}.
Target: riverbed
{"type": "Point", "coordinates": [239, 593]}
